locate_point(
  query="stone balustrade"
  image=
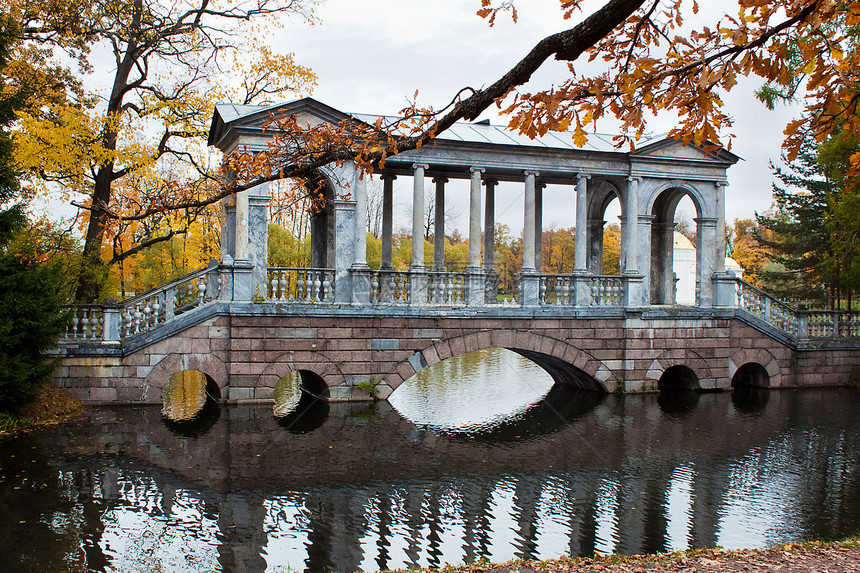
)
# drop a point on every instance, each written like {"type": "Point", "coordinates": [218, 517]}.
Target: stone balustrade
{"type": "Point", "coordinates": [111, 322]}
{"type": "Point", "coordinates": [297, 285]}
{"type": "Point", "coordinates": [800, 324]}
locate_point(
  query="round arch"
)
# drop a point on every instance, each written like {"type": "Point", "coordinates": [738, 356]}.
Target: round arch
{"type": "Point", "coordinates": [685, 357]}
{"type": "Point", "coordinates": [324, 370]}
{"type": "Point", "coordinates": [662, 204]}
{"type": "Point", "coordinates": [559, 354]}
{"type": "Point", "coordinates": [600, 196]}
{"type": "Point", "coordinates": [763, 358]}
{"type": "Point", "coordinates": [208, 364]}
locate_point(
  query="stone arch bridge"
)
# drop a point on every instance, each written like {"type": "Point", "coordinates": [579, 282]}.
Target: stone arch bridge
{"type": "Point", "coordinates": [356, 332]}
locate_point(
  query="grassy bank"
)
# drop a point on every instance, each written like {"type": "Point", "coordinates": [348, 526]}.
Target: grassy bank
{"type": "Point", "coordinates": [50, 406]}
{"type": "Point", "coordinates": [833, 557]}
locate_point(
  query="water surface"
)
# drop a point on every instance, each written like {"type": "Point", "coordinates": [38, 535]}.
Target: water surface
{"type": "Point", "coordinates": [447, 478]}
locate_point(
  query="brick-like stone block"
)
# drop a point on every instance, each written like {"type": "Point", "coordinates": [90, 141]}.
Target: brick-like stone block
{"type": "Point", "coordinates": [102, 394]}
{"type": "Point", "coordinates": [458, 346]}
{"type": "Point", "coordinates": [443, 349]}
{"type": "Point", "coordinates": [385, 344]}
{"type": "Point", "coordinates": [431, 356]}
{"type": "Point", "coordinates": [431, 333]}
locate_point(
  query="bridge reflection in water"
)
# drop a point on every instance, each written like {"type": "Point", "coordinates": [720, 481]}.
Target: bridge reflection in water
{"type": "Point", "coordinates": [347, 487]}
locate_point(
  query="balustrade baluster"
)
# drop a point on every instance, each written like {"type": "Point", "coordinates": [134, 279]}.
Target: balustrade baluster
{"type": "Point", "coordinates": [327, 289]}
{"type": "Point", "coordinates": [155, 309]}
{"type": "Point", "coordinates": [282, 285]}
{"type": "Point", "coordinates": [75, 322]}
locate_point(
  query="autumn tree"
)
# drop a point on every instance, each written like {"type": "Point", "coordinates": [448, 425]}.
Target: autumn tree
{"type": "Point", "coordinates": [653, 63]}
{"type": "Point", "coordinates": [145, 131]}
{"type": "Point", "coordinates": [746, 250]}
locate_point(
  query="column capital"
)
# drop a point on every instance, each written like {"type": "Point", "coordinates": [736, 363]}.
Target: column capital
{"type": "Point", "coordinates": [490, 182]}
{"type": "Point", "coordinates": [540, 185]}
{"type": "Point", "coordinates": [442, 180]}
{"type": "Point", "coordinates": [477, 170]}
{"type": "Point", "coordinates": [705, 221]}
{"type": "Point", "coordinates": [721, 183]}
{"type": "Point", "coordinates": [420, 166]}
{"type": "Point", "coordinates": [636, 178]}
{"type": "Point", "coordinates": [583, 175]}
{"type": "Point", "coordinates": [387, 175]}
{"type": "Point", "coordinates": [532, 172]}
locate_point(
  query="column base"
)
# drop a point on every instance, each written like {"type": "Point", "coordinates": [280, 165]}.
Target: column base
{"type": "Point", "coordinates": [581, 288]}
{"type": "Point", "coordinates": [361, 275]}
{"type": "Point", "coordinates": [633, 290]}
{"type": "Point", "coordinates": [529, 288]}
{"type": "Point", "coordinates": [418, 286]}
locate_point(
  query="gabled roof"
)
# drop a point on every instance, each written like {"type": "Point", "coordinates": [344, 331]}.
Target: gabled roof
{"type": "Point", "coordinates": [665, 146]}
{"type": "Point", "coordinates": [254, 116]}
{"type": "Point", "coordinates": [227, 114]}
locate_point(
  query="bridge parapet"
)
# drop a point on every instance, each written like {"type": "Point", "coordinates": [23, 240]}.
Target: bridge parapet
{"type": "Point", "coordinates": [112, 322]}
{"type": "Point", "coordinates": [802, 325]}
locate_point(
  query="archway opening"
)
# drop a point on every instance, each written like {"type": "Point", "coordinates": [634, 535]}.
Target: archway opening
{"type": "Point", "coordinates": [675, 249]}
{"type": "Point", "coordinates": [603, 256]}
{"type": "Point", "coordinates": [188, 395]}
{"type": "Point", "coordinates": [298, 391]}
{"type": "Point", "coordinates": [751, 375]}
{"type": "Point", "coordinates": [489, 391]}
{"type": "Point", "coordinates": [678, 379]}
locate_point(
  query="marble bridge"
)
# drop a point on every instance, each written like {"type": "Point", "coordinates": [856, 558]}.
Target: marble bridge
{"type": "Point", "coordinates": [356, 332]}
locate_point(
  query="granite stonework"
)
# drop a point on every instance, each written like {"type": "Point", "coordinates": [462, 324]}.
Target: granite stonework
{"type": "Point", "coordinates": [371, 330]}
{"type": "Point", "coordinates": [247, 349]}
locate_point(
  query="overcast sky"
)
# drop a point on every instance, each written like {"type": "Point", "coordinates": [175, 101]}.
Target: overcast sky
{"type": "Point", "coordinates": [373, 54]}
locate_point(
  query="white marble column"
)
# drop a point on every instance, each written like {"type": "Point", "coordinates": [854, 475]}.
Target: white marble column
{"type": "Point", "coordinates": [439, 225]}
{"type": "Point", "coordinates": [631, 228]}
{"type": "Point", "coordinates": [539, 187]}
{"type": "Point", "coordinates": [490, 224]}
{"type": "Point", "coordinates": [475, 218]}
{"type": "Point", "coordinates": [720, 262]}
{"type": "Point", "coordinates": [359, 187]}
{"type": "Point", "coordinates": [387, 220]}
{"type": "Point", "coordinates": [529, 222]}
{"type": "Point", "coordinates": [581, 248]}
{"type": "Point", "coordinates": [706, 254]}
{"type": "Point", "coordinates": [418, 215]}
{"type": "Point", "coordinates": [242, 210]}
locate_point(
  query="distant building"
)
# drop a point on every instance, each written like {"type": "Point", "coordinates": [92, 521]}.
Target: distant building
{"type": "Point", "coordinates": [684, 267]}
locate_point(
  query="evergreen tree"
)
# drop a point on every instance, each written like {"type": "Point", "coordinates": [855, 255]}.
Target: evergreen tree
{"type": "Point", "coordinates": [31, 318]}
{"type": "Point", "coordinates": [812, 231]}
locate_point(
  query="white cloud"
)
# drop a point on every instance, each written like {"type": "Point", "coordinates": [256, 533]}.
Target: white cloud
{"type": "Point", "coordinates": [372, 55]}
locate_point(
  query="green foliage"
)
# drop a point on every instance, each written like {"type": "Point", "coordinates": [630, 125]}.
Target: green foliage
{"type": "Point", "coordinates": [285, 250]}
{"type": "Point", "coordinates": [813, 230]}
{"type": "Point", "coordinates": [31, 321]}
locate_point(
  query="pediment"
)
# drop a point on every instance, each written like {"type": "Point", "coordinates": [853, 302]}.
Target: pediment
{"type": "Point", "coordinates": [254, 117]}
{"type": "Point", "coordinates": [670, 148]}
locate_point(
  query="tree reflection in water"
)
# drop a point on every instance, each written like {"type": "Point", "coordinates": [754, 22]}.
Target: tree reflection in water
{"type": "Point", "coordinates": [361, 487]}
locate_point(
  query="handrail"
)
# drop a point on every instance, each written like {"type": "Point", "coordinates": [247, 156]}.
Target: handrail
{"type": "Point", "coordinates": [170, 284]}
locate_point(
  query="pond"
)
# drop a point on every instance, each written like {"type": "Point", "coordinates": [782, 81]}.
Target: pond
{"type": "Point", "coordinates": [478, 457]}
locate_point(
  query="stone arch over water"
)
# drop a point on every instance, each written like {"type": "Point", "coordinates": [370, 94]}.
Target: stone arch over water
{"type": "Point", "coordinates": [565, 363]}
{"type": "Point", "coordinates": [320, 367]}
{"type": "Point", "coordinates": [762, 357]}
{"type": "Point", "coordinates": [679, 357]}
{"type": "Point", "coordinates": [171, 364]}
